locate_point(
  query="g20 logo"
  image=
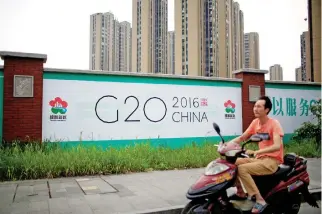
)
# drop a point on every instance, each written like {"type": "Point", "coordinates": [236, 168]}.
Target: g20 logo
{"type": "Point", "coordinates": [129, 118]}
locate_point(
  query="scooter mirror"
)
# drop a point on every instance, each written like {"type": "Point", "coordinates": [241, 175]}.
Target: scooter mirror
{"type": "Point", "coordinates": [216, 127]}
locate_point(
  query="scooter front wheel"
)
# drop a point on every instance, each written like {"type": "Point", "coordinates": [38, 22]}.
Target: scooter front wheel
{"type": "Point", "coordinates": [192, 205]}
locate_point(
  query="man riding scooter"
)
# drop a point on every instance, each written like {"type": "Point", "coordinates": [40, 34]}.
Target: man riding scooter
{"type": "Point", "coordinates": [266, 159]}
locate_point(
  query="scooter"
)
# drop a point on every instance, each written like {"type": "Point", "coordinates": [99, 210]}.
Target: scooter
{"type": "Point", "coordinates": [282, 190]}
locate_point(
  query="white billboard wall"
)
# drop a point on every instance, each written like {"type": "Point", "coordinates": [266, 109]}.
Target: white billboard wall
{"type": "Point", "coordinates": [94, 109]}
{"type": "Point", "coordinates": [291, 106]}
{"type": "Point", "coordinates": [101, 111]}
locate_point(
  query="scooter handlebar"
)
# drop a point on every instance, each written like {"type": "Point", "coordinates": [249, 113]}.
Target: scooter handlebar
{"type": "Point", "coordinates": [244, 155]}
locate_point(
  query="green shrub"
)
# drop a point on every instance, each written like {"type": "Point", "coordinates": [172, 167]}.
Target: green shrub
{"type": "Point", "coordinates": [305, 148]}
{"type": "Point", "coordinates": [29, 163]}
{"type": "Point", "coordinates": [308, 130]}
{"type": "Point", "coordinates": [48, 160]}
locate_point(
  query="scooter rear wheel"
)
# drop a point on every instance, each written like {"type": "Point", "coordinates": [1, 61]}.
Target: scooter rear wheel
{"type": "Point", "coordinates": [291, 206]}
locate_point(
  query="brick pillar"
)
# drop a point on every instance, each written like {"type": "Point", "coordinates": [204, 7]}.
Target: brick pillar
{"type": "Point", "coordinates": [256, 79]}
{"type": "Point", "coordinates": [22, 104]}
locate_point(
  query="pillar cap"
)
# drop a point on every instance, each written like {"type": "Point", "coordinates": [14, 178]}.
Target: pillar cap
{"type": "Point", "coordinates": [250, 70]}
{"type": "Point", "coordinates": [4, 54]}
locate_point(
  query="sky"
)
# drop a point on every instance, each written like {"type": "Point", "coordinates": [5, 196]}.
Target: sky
{"type": "Point", "coordinates": [61, 29]}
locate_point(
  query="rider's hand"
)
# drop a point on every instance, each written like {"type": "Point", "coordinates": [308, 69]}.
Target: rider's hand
{"type": "Point", "coordinates": [250, 152]}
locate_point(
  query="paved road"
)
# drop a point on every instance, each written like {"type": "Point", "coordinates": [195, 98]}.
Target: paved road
{"type": "Point", "coordinates": [131, 193]}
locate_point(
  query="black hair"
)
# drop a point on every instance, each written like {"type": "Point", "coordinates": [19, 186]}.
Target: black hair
{"type": "Point", "coordinates": [268, 103]}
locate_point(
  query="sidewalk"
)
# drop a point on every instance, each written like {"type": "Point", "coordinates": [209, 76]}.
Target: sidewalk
{"type": "Point", "coordinates": [130, 193]}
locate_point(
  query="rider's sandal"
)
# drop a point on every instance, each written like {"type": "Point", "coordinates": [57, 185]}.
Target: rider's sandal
{"type": "Point", "coordinates": [259, 207]}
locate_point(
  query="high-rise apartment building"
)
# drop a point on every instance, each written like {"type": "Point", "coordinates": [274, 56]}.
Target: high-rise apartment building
{"type": "Point", "coordinates": [149, 36]}
{"type": "Point", "coordinates": [106, 43]}
{"type": "Point", "coordinates": [209, 37]}
{"type": "Point", "coordinates": [125, 51]}
{"type": "Point", "coordinates": [171, 52]}
{"type": "Point", "coordinates": [189, 55]}
{"type": "Point", "coordinates": [251, 44]}
{"type": "Point", "coordinates": [242, 49]}
{"type": "Point", "coordinates": [116, 46]}
{"type": "Point", "coordinates": [237, 37]}
{"type": "Point", "coordinates": [298, 74]}
{"type": "Point", "coordinates": [314, 21]}
{"type": "Point", "coordinates": [102, 41]}
{"type": "Point", "coordinates": [305, 57]}
{"type": "Point", "coordinates": [276, 72]}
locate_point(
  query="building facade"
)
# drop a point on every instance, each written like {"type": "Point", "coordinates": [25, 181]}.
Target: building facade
{"type": "Point", "coordinates": [298, 74]}
{"type": "Point", "coordinates": [101, 41]}
{"type": "Point", "coordinates": [305, 57]}
{"type": "Point", "coordinates": [252, 56]}
{"type": "Point", "coordinates": [107, 38]}
{"type": "Point", "coordinates": [209, 37]}
{"type": "Point", "coordinates": [125, 51]}
{"type": "Point", "coordinates": [242, 35]}
{"type": "Point", "coordinates": [237, 37]}
{"type": "Point", "coordinates": [116, 46]}
{"type": "Point", "coordinates": [149, 36]}
{"type": "Point", "coordinates": [276, 72]}
{"type": "Point", "coordinates": [171, 52]}
{"type": "Point", "coordinates": [314, 21]}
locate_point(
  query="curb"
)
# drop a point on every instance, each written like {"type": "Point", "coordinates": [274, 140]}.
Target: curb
{"type": "Point", "coordinates": [316, 193]}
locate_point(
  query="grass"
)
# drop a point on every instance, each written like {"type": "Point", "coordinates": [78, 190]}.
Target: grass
{"type": "Point", "coordinates": [51, 161]}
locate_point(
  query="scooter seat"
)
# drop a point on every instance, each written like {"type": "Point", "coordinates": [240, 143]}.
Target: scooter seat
{"type": "Point", "coordinates": [282, 170]}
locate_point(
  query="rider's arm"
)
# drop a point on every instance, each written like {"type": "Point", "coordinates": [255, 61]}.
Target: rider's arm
{"type": "Point", "coordinates": [241, 138]}
{"type": "Point", "coordinates": [277, 139]}
{"type": "Point", "coordinates": [249, 131]}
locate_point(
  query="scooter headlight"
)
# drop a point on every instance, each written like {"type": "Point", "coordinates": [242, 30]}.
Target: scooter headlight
{"type": "Point", "coordinates": [214, 168]}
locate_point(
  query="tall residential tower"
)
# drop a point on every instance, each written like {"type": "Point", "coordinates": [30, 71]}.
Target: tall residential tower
{"type": "Point", "coordinates": [298, 74]}
{"type": "Point", "coordinates": [251, 42]}
{"type": "Point", "coordinates": [149, 36]}
{"type": "Point", "coordinates": [276, 72]}
{"type": "Point", "coordinates": [171, 52]}
{"type": "Point", "coordinates": [314, 24]}
{"type": "Point", "coordinates": [209, 37]}
{"type": "Point", "coordinates": [102, 48]}
{"type": "Point", "coordinates": [305, 57]}
{"type": "Point", "coordinates": [110, 46]}
{"type": "Point", "coordinates": [125, 51]}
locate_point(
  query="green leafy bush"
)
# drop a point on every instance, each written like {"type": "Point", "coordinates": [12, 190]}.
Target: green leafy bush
{"type": "Point", "coordinates": [309, 130]}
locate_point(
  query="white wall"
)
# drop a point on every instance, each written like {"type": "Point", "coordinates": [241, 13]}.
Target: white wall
{"type": "Point", "coordinates": [82, 98]}
{"type": "Point", "coordinates": [292, 102]}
